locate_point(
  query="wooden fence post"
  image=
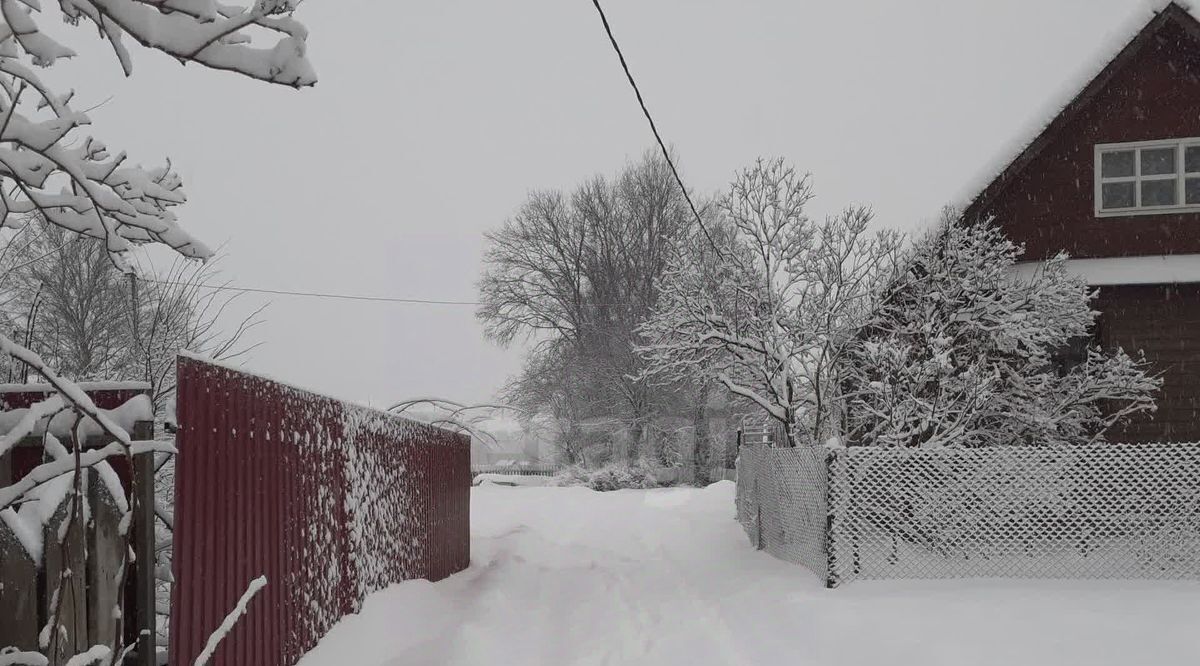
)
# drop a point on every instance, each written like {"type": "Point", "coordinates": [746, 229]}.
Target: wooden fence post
{"type": "Point", "coordinates": [144, 615]}
{"type": "Point", "coordinates": [834, 509]}
{"type": "Point", "coordinates": [106, 550]}
{"type": "Point", "coordinates": [6, 469]}
{"type": "Point", "coordinates": [65, 587]}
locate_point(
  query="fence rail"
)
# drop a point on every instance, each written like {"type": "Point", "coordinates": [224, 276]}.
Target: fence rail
{"type": "Point", "coordinates": [1105, 511]}
{"type": "Point", "coordinates": [328, 500]}
{"type": "Point", "coordinates": [516, 470]}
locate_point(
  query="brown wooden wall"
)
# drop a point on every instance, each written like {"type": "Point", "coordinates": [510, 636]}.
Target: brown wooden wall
{"type": "Point", "coordinates": [1164, 322]}
{"type": "Point", "coordinates": [1050, 206]}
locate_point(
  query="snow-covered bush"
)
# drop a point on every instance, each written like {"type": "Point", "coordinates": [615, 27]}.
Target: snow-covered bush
{"type": "Point", "coordinates": [961, 352]}
{"type": "Point", "coordinates": [615, 476]}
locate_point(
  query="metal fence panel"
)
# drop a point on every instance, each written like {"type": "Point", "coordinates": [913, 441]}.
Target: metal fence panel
{"type": "Point", "coordinates": [783, 503]}
{"type": "Point", "coordinates": [329, 501]}
{"type": "Point", "coordinates": [1108, 511]}
{"type": "Point", "coordinates": [1103, 511]}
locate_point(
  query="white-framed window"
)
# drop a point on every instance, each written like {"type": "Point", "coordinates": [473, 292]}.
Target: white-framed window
{"type": "Point", "coordinates": [1148, 177]}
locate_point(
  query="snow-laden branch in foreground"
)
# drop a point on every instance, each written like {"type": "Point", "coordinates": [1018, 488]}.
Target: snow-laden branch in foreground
{"type": "Point", "coordinates": [227, 624]}
{"type": "Point", "coordinates": [23, 659]}
{"type": "Point", "coordinates": [76, 182]}
{"type": "Point", "coordinates": [29, 421]}
{"type": "Point", "coordinates": [97, 654]}
{"type": "Point", "coordinates": [67, 390]}
{"type": "Point", "coordinates": [48, 471]}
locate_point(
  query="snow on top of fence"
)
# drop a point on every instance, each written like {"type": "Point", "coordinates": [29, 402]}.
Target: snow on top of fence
{"type": "Point", "coordinates": [112, 482]}
{"type": "Point", "coordinates": [51, 494]}
{"type": "Point", "coordinates": [1111, 45]}
{"type": "Point", "coordinates": [86, 386]}
{"type": "Point", "coordinates": [29, 537]}
{"type": "Point", "coordinates": [28, 522]}
{"type": "Point", "coordinates": [138, 408]}
{"type": "Point", "coordinates": [357, 415]}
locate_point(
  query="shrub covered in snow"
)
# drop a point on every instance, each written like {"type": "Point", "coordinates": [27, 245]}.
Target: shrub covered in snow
{"type": "Point", "coordinates": [609, 477]}
{"type": "Point", "coordinates": [962, 351]}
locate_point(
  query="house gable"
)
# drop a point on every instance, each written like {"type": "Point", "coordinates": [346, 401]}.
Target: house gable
{"type": "Point", "coordinates": [1045, 199]}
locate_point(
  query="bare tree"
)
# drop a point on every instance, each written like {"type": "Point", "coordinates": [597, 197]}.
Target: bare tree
{"type": "Point", "coordinates": [186, 306]}
{"type": "Point", "coordinates": [579, 274]}
{"type": "Point", "coordinates": [554, 386]}
{"type": "Point", "coordinates": [67, 301]}
{"type": "Point", "coordinates": [88, 319]}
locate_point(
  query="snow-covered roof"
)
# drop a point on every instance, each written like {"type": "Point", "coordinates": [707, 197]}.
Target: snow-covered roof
{"type": "Point", "coordinates": [1089, 80]}
{"type": "Point", "coordinates": [1159, 269]}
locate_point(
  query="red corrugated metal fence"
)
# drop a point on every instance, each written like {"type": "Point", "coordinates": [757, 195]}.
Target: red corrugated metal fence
{"type": "Point", "coordinates": [330, 501]}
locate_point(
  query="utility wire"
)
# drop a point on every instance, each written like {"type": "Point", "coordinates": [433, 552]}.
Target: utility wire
{"type": "Point", "coordinates": [318, 294]}
{"type": "Point", "coordinates": [653, 128]}
{"type": "Point", "coordinates": [315, 294]}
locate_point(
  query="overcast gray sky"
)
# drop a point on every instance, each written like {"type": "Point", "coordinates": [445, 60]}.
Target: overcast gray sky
{"type": "Point", "coordinates": [432, 120]}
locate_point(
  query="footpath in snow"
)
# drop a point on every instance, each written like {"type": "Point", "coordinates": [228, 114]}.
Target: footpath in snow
{"type": "Point", "coordinates": [572, 576]}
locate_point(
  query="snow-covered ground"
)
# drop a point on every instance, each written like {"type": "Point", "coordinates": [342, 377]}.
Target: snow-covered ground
{"type": "Point", "coordinates": [572, 576]}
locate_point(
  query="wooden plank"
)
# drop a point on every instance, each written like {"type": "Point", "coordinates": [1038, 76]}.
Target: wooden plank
{"type": "Point", "coordinates": [65, 555]}
{"type": "Point", "coordinates": [144, 615]}
{"type": "Point", "coordinates": [6, 470]}
{"type": "Point", "coordinates": [106, 550]}
{"type": "Point", "coordinates": [18, 592]}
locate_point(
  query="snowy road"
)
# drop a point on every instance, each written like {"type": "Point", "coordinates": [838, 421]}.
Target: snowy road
{"type": "Point", "coordinates": [570, 576]}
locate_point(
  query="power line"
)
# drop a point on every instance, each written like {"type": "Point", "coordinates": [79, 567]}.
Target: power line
{"type": "Point", "coordinates": [343, 297]}
{"type": "Point", "coordinates": [315, 294]}
{"type": "Point", "coordinates": [653, 128]}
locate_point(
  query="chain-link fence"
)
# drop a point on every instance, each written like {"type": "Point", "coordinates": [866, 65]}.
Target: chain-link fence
{"type": "Point", "coordinates": [1103, 511]}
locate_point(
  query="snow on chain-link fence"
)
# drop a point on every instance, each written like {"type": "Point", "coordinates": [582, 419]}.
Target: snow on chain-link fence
{"type": "Point", "coordinates": [1102, 511]}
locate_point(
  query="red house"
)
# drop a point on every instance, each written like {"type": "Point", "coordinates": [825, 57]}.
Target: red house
{"type": "Point", "coordinates": [1114, 180]}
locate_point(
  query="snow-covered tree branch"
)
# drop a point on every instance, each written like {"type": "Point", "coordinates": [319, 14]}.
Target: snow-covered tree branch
{"type": "Point", "coordinates": [75, 181]}
{"type": "Point", "coordinates": [471, 420]}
